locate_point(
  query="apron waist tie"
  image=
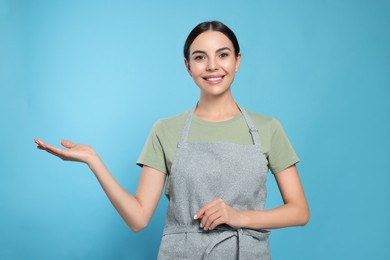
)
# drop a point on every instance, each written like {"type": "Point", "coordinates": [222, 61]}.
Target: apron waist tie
{"type": "Point", "coordinates": [225, 233]}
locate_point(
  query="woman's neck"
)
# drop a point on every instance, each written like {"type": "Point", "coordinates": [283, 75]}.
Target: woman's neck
{"type": "Point", "coordinates": [216, 108]}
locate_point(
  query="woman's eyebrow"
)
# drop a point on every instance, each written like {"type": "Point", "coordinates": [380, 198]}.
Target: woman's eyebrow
{"type": "Point", "coordinates": [223, 49]}
{"type": "Point", "coordinates": [197, 51]}
{"type": "Point", "coordinates": [203, 52]}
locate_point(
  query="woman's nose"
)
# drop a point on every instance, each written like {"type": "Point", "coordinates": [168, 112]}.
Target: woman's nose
{"type": "Point", "coordinates": [212, 65]}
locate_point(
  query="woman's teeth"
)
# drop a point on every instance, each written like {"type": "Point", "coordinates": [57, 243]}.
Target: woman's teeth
{"type": "Point", "coordinates": [214, 79]}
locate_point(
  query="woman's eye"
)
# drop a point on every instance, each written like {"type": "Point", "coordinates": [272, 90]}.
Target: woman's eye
{"type": "Point", "coordinates": [199, 57]}
{"type": "Point", "coordinates": [224, 55]}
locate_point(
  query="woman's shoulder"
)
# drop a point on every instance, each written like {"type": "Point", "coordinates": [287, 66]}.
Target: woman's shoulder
{"type": "Point", "coordinates": [172, 123]}
{"type": "Point", "coordinates": [262, 120]}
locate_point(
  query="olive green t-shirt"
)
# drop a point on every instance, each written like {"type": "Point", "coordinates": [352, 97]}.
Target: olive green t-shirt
{"type": "Point", "coordinates": [160, 147]}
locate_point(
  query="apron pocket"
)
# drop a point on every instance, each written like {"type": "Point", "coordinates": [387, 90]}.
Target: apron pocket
{"type": "Point", "coordinates": [173, 247]}
{"type": "Point", "coordinates": [256, 246]}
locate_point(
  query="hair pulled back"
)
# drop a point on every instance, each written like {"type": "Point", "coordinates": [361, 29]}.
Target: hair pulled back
{"type": "Point", "coordinates": [210, 26]}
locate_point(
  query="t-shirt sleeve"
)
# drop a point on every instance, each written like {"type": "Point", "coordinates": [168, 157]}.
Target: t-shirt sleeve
{"type": "Point", "coordinates": [152, 154]}
{"type": "Point", "coordinates": [281, 154]}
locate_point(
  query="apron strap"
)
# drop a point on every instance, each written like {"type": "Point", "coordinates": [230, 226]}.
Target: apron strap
{"type": "Point", "coordinates": [186, 129]}
{"type": "Point", "coordinates": [252, 128]}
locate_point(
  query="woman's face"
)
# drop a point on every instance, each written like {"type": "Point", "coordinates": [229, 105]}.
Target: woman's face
{"type": "Point", "coordinates": [212, 63]}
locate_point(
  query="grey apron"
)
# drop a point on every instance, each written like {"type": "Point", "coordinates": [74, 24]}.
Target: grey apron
{"type": "Point", "coordinates": [202, 172]}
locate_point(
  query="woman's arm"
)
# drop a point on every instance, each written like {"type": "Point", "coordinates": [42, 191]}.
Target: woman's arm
{"type": "Point", "coordinates": [294, 212]}
{"type": "Point", "coordinates": [135, 210]}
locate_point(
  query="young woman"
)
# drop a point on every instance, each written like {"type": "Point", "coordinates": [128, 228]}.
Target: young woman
{"type": "Point", "coordinates": [215, 158]}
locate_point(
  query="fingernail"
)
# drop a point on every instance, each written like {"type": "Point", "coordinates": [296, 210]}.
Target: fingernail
{"type": "Point", "coordinates": [196, 216]}
{"type": "Point", "coordinates": [201, 225]}
{"type": "Point", "coordinates": [209, 228]}
{"type": "Point", "coordinates": [205, 229]}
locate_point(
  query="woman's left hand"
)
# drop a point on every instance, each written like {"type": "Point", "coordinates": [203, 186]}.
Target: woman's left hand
{"type": "Point", "coordinates": [217, 212]}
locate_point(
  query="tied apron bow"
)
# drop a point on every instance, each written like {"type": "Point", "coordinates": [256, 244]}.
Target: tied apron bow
{"type": "Point", "coordinates": [229, 233]}
{"type": "Point", "coordinates": [225, 233]}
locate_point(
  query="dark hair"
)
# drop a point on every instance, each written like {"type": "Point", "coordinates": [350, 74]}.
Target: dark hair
{"type": "Point", "coordinates": [210, 26]}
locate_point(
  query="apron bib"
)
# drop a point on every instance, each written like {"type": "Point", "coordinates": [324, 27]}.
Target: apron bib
{"type": "Point", "coordinates": [202, 172]}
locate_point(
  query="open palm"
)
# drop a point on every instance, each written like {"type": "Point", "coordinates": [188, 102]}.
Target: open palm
{"type": "Point", "coordinates": [73, 152]}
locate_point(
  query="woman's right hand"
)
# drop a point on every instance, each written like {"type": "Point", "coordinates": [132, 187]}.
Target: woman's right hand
{"type": "Point", "coordinates": [135, 210]}
{"type": "Point", "coordinates": [74, 152]}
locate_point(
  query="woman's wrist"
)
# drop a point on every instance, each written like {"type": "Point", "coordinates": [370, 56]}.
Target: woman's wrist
{"type": "Point", "coordinates": [250, 219]}
{"type": "Point", "coordinates": [93, 160]}
{"type": "Point", "coordinates": [245, 219]}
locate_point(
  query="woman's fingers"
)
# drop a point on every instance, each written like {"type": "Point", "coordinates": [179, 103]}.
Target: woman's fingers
{"type": "Point", "coordinates": [52, 149]}
{"type": "Point", "coordinates": [39, 142]}
{"type": "Point", "coordinates": [73, 151]}
{"type": "Point", "coordinates": [67, 144]}
{"type": "Point", "coordinates": [55, 154]}
{"type": "Point", "coordinates": [217, 212]}
{"type": "Point", "coordinates": [209, 219]}
{"type": "Point", "coordinates": [217, 222]}
{"type": "Point", "coordinates": [202, 210]}
{"type": "Point", "coordinates": [42, 145]}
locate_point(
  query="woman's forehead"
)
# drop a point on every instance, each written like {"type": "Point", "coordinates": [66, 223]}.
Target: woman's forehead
{"type": "Point", "coordinates": [211, 40]}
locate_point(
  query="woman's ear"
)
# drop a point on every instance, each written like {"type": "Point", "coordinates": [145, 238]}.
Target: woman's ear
{"type": "Point", "coordinates": [187, 64]}
{"type": "Point", "coordinates": [238, 61]}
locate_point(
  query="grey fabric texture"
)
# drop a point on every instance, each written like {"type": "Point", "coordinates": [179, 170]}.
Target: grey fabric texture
{"type": "Point", "coordinates": [202, 172]}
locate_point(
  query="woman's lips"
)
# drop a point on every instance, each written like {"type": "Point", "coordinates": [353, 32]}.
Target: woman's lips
{"type": "Point", "coordinates": [214, 79]}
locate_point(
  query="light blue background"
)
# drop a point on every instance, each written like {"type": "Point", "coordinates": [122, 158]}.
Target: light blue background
{"type": "Point", "coordinates": [102, 72]}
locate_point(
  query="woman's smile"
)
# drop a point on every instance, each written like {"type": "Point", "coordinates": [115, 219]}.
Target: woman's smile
{"type": "Point", "coordinates": [214, 79]}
